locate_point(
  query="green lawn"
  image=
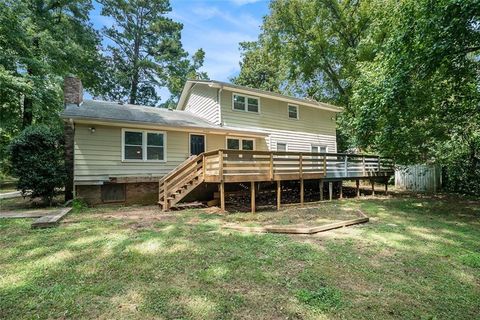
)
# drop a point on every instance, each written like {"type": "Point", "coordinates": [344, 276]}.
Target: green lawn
{"type": "Point", "coordinates": [418, 258]}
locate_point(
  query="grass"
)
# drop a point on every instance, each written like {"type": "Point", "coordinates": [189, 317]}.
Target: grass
{"type": "Point", "coordinates": [417, 258]}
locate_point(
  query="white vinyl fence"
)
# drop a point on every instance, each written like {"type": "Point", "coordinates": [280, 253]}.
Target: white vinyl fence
{"type": "Point", "coordinates": [419, 178]}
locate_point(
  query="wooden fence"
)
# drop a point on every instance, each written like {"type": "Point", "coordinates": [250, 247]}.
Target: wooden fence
{"type": "Point", "coordinates": [419, 178]}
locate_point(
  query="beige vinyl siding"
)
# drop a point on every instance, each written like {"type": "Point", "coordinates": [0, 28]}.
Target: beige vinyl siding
{"type": "Point", "coordinates": [203, 103]}
{"type": "Point", "coordinates": [314, 126]}
{"type": "Point", "coordinates": [98, 155]}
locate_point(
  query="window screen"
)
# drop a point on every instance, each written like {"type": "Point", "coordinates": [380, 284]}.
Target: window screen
{"type": "Point", "coordinates": [233, 144]}
{"type": "Point", "coordinates": [252, 104]}
{"type": "Point", "coordinates": [238, 102]}
{"type": "Point", "coordinates": [155, 149]}
{"type": "Point", "coordinates": [293, 112]}
{"type": "Point", "coordinates": [133, 145]}
{"type": "Point", "coordinates": [247, 144]}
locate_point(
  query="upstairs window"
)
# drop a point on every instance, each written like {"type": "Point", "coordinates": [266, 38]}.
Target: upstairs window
{"type": "Point", "coordinates": [293, 112]}
{"type": "Point", "coordinates": [143, 145]}
{"type": "Point", "coordinates": [246, 103]}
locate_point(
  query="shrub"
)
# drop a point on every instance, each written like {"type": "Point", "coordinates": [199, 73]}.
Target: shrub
{"type": "Point", "coordinates": [37, 161]}
{"type": "Point", "coordinates": [79, 205]}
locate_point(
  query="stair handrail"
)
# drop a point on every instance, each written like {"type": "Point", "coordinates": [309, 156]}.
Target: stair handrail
{"type": "Point", "coordinates": [178, 168]}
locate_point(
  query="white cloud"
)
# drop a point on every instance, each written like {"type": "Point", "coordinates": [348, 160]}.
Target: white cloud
{"type": "Point", "coordinates": [239, 21]}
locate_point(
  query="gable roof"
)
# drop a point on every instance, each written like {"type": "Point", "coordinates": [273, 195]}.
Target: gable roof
{"type": "Point", "coordinates": [94, 110]}
{"type": "Point", "coordinates": [257, 92]}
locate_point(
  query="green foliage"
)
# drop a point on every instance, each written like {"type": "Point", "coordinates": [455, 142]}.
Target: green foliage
{"type": "Point", "coordinates": [322, 299]}
{"type": "Point", "coordinates": [257, 69]}
{"type": "Point", "coordinates": [418, 99]}
{"type": "Point", "coordinates": [146, 54]}
{"type": "Point", "coordinates": [41, 41]}
{"type": "Point", "coordinates": [37, 161]}
{"type": "Point", "coordinates": [471, 260]}
{"type": "Point", "coordinates": [407, 73]}
{"type": "Point", "coordinates": [79, 205]}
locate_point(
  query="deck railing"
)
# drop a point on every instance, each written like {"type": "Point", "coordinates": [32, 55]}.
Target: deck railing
{"type": "Point", "coordinates": [242, 165]}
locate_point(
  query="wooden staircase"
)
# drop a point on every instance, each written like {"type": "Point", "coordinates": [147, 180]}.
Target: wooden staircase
{"type": "Point", "coordinates": [180, 182]}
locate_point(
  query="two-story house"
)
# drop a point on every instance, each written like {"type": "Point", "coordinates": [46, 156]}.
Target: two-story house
{"type": "Point", "coordinates": [120, 151]}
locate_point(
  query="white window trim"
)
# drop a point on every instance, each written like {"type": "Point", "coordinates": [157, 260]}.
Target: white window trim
{"type": "Point", "coordinates": [246, 103]}
{"type": "Point", "coordinates": [288, 111]}
{"type": "Point", "coordinates": [240, 142]}
{"type": "Point", "coordinates": [319, 146]}
{"type": "Point", "coordinates": [144, 145]}
{"type": "Point", "coordinates": [190, 141]}
{"type": "Point", "coordinates": [281, 142]}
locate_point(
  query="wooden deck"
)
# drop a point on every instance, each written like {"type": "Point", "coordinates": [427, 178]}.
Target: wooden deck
{"type": "Point", "coordinates": [247, 166]}
{"type": "Point", "coordinates": [240, 166]}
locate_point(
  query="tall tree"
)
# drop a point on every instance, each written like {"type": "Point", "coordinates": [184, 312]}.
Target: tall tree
{"type": "Point", "coordinates": [318, 41]}
{"type": "Point", "coordinates": [257, 69]}
{"type": "Point", "coordinates": [41, 41]}
{"type": "Point", "coordinates": [418, 100]}
{"type": "Point", "coordinates": [145, 53]}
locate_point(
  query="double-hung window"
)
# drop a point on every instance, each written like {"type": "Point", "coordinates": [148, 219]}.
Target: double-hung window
{"type": "Point", "coordinates": [143, 145]}
{"type": "Point", "coordinates": [246, 103]}
{"type": "Point", "coordinates": [293, 112]}
{"type": "Point", "coordinates": [240, 144]}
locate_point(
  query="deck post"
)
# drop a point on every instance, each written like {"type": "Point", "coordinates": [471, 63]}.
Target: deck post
{"type": "Point", "coordinates": [220, 165]}
{"type": "Point", "coordinates": [252, 196]}
{"type": "Point", "coordinates": [363, 166]}
{"type": "Point", "coordinates": [301, 166]}
{"type": "Point", "coordinates": [321, 189]}
{"type": "Point", "coordinates": [341, 189]}
{"type": "Point", "coordinates": [271, 165]}
{"type": "Point", "coordinates": [357, 183]}
{"type": "Point", "coordinates": [279, 194]}
{"type": "Point", "coordinates": [373, 187]}
{"type": "Point", "coordinates": [346, 166]}
{"type": "Point", "coordinates": [165, 200]}
{"type": "Point", "coordinates": [222, 196]}
{"type": "Point", "coordinates": [302, 194]}
{"type": "Point", "coordinates": [386, 186]}
{"type": "Point", "coordinates": [222, 183]}
{"type": "Point", "coordinates": [330, 190]}
{"type": "Point", "coordinates": [203, 166]}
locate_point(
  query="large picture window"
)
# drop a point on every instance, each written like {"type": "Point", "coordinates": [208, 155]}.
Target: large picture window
{"type": "Point", "coordinates": [246, 103]}
{"type": "Point", "coordinates": [143, 145]}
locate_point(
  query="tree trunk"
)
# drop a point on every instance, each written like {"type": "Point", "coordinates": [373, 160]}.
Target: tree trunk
{"type": "Point", "coordinates": [135, 76]}
{"type": "Point", "coordinates": [27, 112]}
{"type": "Point", "coordinates": [134, 88]}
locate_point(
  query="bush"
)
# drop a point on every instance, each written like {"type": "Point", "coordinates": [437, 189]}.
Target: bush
{"type": "Point", "coordinates": [79, 205]}
{"type": "Point", "coordinates": [37, 161]}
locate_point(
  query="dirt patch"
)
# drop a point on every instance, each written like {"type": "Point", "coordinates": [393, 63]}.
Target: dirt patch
{"type": "Point", "coordinates": [136, 218]}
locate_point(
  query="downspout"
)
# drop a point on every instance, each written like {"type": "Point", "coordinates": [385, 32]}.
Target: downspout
{"type": "Point", "coordinates": [219, 101]}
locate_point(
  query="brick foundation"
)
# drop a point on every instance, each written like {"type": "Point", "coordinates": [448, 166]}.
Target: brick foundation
{"type": "Point", "coordinates": [145, 193]}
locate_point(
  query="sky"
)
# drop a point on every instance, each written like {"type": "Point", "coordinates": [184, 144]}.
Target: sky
{"type": "Point", "coordinates": [216, 26]}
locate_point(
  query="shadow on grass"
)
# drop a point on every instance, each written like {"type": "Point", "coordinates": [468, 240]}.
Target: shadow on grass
{"type": "Point", "coordinates": [405, 263]}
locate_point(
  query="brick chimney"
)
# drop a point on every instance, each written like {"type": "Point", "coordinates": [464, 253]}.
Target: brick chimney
{"type": "Point", "coordinates": [72, 90]}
